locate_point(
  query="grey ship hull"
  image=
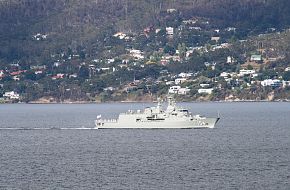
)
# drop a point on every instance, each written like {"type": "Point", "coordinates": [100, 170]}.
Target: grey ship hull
{"type": "Point", "coordinates": [166, 124]}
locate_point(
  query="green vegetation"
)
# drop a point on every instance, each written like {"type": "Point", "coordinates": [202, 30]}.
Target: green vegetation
{"type": "Point", "coordinates": [99, 50]}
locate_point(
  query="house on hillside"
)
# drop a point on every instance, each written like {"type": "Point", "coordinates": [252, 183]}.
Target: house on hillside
{"type": "Point", "coordinates": [120, 35]}
{"type": "Point", "coordinates": [39, 67]}
{"type": "Point", "coordinates": [1, 73]}
{"type": "Point", "coordinates": [39, 36]}
{"type": "Point", "coordinates": [210, 64]}
{"type": "Point", "coordinates": [16, 73]}
{"type": "Point", "coordinates": [215, 38]}
{"type": "Point", "coordinates": [185, 75]}
{"type": "Point", "coordinates": [137, 54]}
{"type": "Point", "coordinates": [180, 80]}
{"type": "Point", "coordinates": [271, 82]}
{"type": "Point", "coordinates": [244, 72]}
{"type": "Point", "coordinates": [171, 10]}
{"type": "Point", "coordinates": [174, 89]}
{"type": "Point", "coordinates": [230, 29]}
{"type": "Point", "coordinates": [205, 91]}
{"type": "Point", "coordinates": [183, 91]}
{"type": "Point", "coordinates": [11, 95]}
{"type": "Point", "coordinates": [230, 59]}
{"type": "Point", "coordinates": [170, 31]}
{"type": "Point", "coordinates": [256, 58]}
{"type": "Point", "coordinates": [178, 90]}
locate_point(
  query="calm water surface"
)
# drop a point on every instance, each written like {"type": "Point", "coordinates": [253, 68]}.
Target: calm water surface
{"type": "Point", "coordinates": [249, 149]}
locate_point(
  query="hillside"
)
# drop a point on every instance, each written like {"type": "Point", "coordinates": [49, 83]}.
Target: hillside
{"type": "Point", "coordinates": [88, 23]}
{"type": "Point", "coordinates": [100, 50]}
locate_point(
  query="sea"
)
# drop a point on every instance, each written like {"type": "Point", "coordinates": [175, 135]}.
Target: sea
{"type": "Point", "coordinates": [54, 146]}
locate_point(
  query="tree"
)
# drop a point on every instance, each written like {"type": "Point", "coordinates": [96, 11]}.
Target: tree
{"type": "Point", "coordinates": [169, 49]}
{"type": "Point", "coordinates": [250, 67]}
{"type": "Point", "coordinates": [286, 76]}
{"type": "Point", "coordinates": [182, 50]}
{"type": "Point", "coordinates": [84, 72]}
{"type": "Point", "coordinates": [30, 75]}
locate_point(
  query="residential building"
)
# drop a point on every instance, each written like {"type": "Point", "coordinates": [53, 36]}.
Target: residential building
{"type": "Point", "coordinates": [120, 35]}
{"type": "Point", "coordinates": [205, 91]}
{"type": "Point", "coordinates": [11, 95]}
{"type": "Point", "coordinates": [244, 72]}
{"type": "Point", "coordinates": [185, 75]}
{"type": "Point", "coordinates": [183, 91]}
{"type": "Point", "coordinates": [169, 30]}
{"type": "Point", "coordinates": [256, 58]}
{"type": "Point", "coordinates": [171, 10]}
{"type": "Point", "coordinates": [170, 83]}
{"type": "Point", "coordinates": [204, 85]}
{"type": "Point", "coordinates": [180, 80]}
{"type": "Point", "coordinates": [178, 90]}
{"type": "Point", "coordinates": [1, 73]}
{"type": "Point", "coordinates": [225, 74]}
{"type": "Point", "coordinates": [174, 89]}
{"type": "Point", "coordinates": [215, 38]}
{"type": "Point", "coordinates": [230, 59]}
{"type": "Point", "coordinates": [271, 82]}
{"type": "Point", "coordinates": [137, 54]}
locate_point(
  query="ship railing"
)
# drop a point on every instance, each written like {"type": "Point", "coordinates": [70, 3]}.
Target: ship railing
{"type": "Point", "coordinates": [108, 121]}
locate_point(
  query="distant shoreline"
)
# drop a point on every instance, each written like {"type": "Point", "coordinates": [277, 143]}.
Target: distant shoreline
{"type": "Point", "coordinates": [98, 102]}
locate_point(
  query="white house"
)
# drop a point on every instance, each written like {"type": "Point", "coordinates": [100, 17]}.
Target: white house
{"type": "Point", "coordinates": [171, 10]}
{"type": "Point", "coordinates": [215, 38]}
{"type": "Point", "coordinates": [138, 54]}
{"type": "Point", "coordinates": [169, 30]}
{"type": "Point", "coordinates": [190, 21]}
{"type": "Point", "coordinates": [205, 91]}
{"type": "Point", "coordinates": [256, 58]}
{"type": "Point", "coordinates": [180, 80]}
{"type": "Point", "coordinates": [271, 82]}
{"type": "Point", "coordinates": [178, 90]}
{"type": "Point", "coordinates": [185, 75]}
{"type": "Point", "coordinates": [1, 73]}
{"type": "Point", "coordinates": [224, 74]}
{"type": "Point", "coordinates": [246, 72]}
{"type": "Point", "coordinates": [170, 83]}
{"type": "Point", "coordinates": [110, 89]}
{"type": "Point", "coordinates": [230, 59]}
{"type": "Point", "coordinates": [120, 35]}
{"type": "Point", "coordinates": [12, 95]}
{"type": "Point", "coordinates": [204, 85]}
{"type": "Point", "coordinates": [112, 60]}
{"type": "Point", "coordinates": [210, 64]}
{"type": "Point", "coordinates": [39, 36]}
{"type": "Point", "coordinates": [195, 28]}
{"type": "Point", "coordinates": [183, 91]}
{"type": "Point", "coordinates": [174, 89]}
{"type": "Point", "coordinates": [16, 78]}
{"type": "Point", "coordinates": [229, 29]}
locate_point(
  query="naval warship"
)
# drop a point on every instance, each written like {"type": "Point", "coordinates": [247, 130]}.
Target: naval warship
{"type": "Point", "coordinates": [157, 118]}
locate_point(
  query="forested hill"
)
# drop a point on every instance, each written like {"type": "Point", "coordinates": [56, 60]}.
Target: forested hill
{"type": "Point", "coordinates": [104, 50]}
{"type": "Point", "coordinates": [89, 22]}
{"type": "Point", "coordinates": [65, 13]}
